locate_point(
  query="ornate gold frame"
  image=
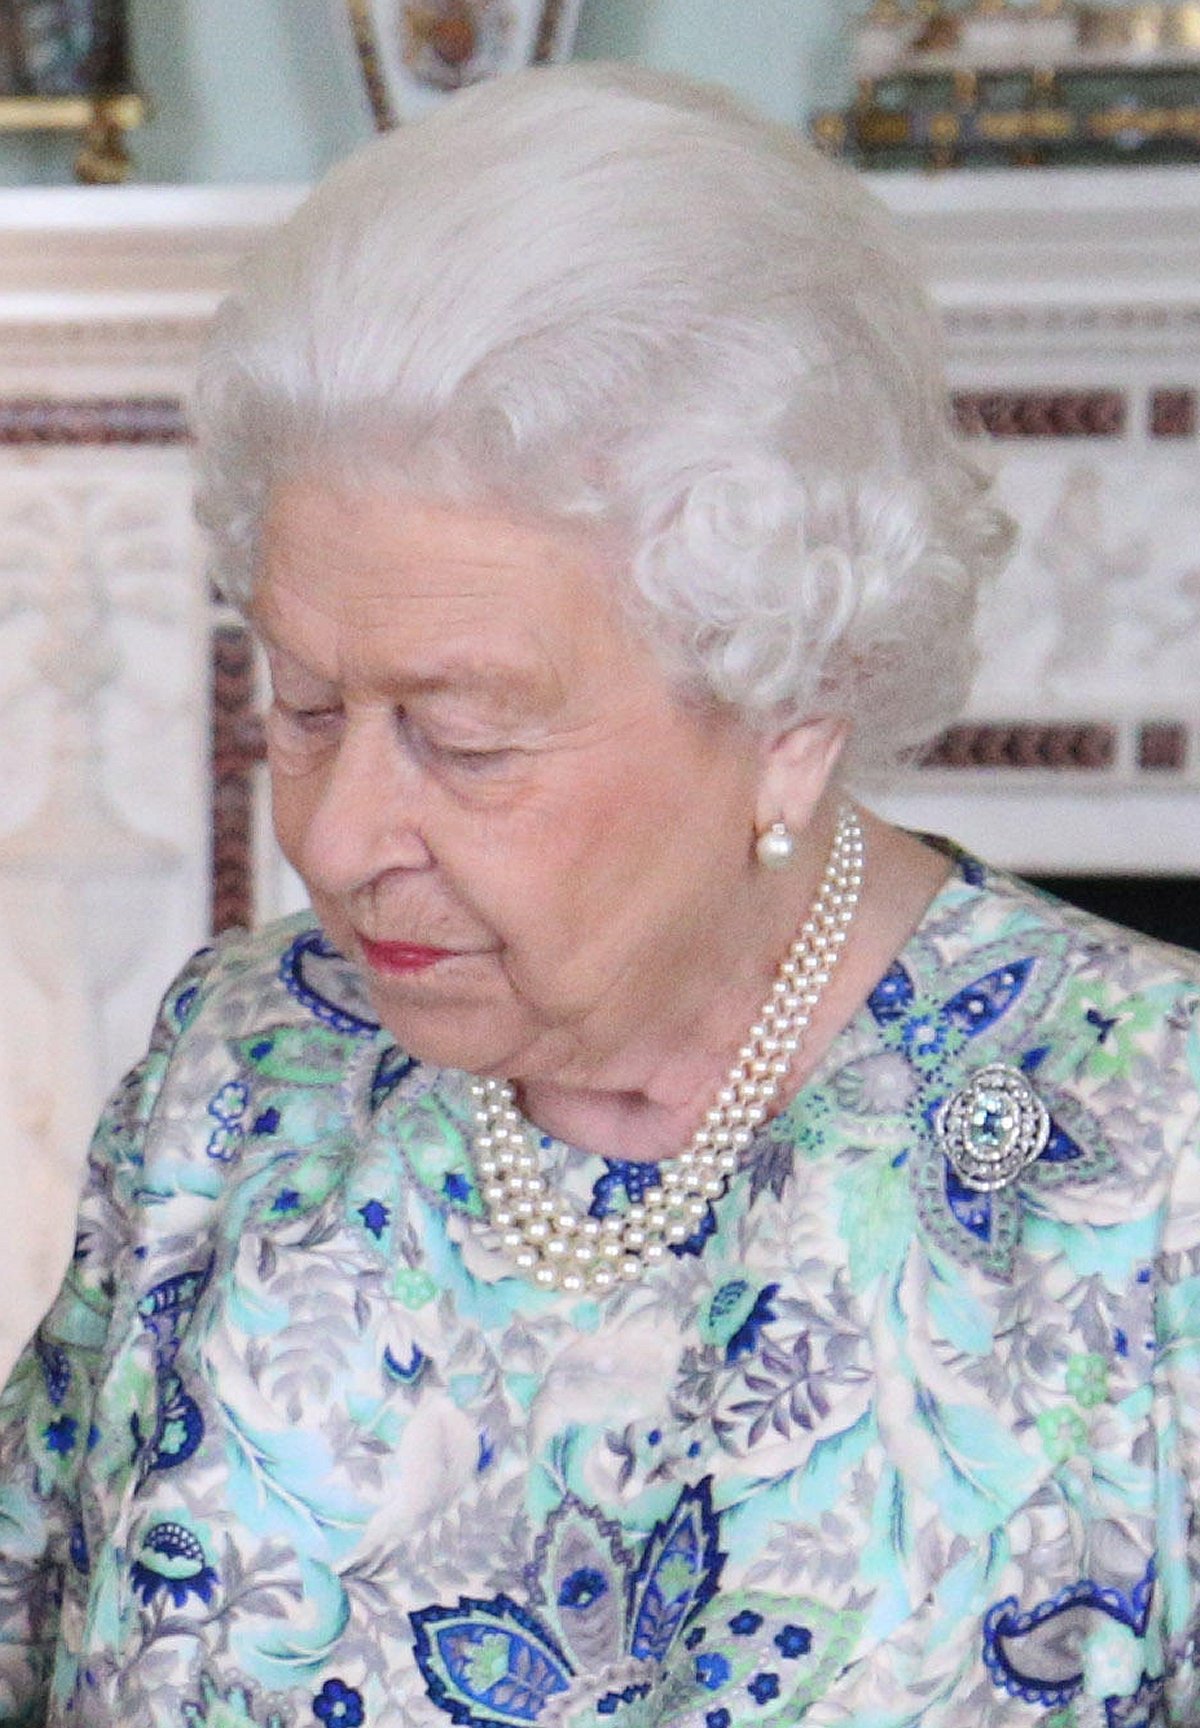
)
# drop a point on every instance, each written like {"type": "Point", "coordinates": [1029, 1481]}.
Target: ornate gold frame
{"type": "Point", "coordinates": [555, 28]}
{"type": "Point", "coordinates": [99, 103]}
{"type": "Point", "coordinates": [102, 158]}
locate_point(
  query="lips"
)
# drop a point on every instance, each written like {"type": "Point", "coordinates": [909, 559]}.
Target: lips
{"type": "Point", "coordinates": [402, 957]}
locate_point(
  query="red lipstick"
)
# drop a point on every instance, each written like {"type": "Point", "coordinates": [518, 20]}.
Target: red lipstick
{"type": "Point", "coordinates": [401, 957]}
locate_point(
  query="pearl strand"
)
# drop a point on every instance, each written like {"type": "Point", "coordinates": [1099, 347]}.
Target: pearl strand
{"type": "Point", "coordinates": [543, 1234]}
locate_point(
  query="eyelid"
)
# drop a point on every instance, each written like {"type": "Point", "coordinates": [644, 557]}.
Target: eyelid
{"type": "Point", "coordinates": [441, 749]}
{"type": "Point", "coordinates": [462, 753]}
{"type": "Point", "coordinates": [316, 718]}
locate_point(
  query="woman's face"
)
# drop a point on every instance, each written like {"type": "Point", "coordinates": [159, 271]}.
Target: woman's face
{"type": "Point", "coordinates": [536, 854]}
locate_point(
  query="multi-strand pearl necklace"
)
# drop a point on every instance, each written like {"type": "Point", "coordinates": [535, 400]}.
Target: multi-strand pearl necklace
{"type": "Point", "coordinates": [557, 1247]}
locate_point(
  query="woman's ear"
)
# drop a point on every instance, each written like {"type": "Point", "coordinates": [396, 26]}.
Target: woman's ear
{"type": "Point", "coordinates": [798, 766]}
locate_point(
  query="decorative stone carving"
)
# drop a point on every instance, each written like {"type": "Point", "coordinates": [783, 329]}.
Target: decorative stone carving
{"type": "Point", "coordinates": [1041, 413]}
{"type": "Point", "coordinates": [237, 749]}
{"type": "Point", "coordinates": [1057, 744]}
{"type": "Point", "coordinates": [133, 420]}
{"type": "Point", "coordinates": [1173, 414]}
{"type": "Point", "coordinates": [99, 856]}
{"type": "Point", "coordinates": [1163, 747]}
{"type": "Point", "coordinates": [1071, 305]}
{"type": "Point", "coordinates": [1099, 613]}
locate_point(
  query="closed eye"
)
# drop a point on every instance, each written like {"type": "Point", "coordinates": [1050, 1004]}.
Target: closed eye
{"type": "Point", "coordinates": [440, 752]}
{"type": "Point", "coordinates": [472, 760]}
{"type": "Point", "coordinates": [313, 719]}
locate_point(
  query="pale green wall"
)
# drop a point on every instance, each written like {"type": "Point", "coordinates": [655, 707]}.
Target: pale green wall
{"type": "Point", "coordinates": [248, 90]}
{"type": "Point", "coordinates": [785, 55]}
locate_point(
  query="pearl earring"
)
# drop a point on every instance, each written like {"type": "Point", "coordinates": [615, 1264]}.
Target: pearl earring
{"type": "Point", "coordinates": [776, 847]}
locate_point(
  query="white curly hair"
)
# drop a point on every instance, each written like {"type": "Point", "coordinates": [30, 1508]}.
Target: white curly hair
{"type": "Point", "coordinates": [599, 295]}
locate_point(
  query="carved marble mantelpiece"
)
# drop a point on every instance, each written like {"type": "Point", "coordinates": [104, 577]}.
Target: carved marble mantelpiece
{"type": "Point", "coordinates": [105, 666]}
{"type": "Point", "coordinates": [131, 817]}
{"type": "Point", "coordinates": [1071, 300]}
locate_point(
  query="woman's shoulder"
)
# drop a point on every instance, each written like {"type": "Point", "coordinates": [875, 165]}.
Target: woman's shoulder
{"type": "Point", "coordinates": [276, 1010]}
{"type": "Point", "coordinates": [1100, 1012]}
{"type": "Point", "coordinates": [1007, 998]}
{"type": "Point", "coordinates": [982, 907]}
{"type": "Point", "coordinates": [287, 968]}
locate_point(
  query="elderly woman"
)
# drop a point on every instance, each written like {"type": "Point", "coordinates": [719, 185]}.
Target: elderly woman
{"type": "Point", "coordinates": [656, 1245]}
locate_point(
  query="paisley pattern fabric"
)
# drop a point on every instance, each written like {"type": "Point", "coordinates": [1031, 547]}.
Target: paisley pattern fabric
{"type": "Point", "coordinates": [873, 1448]}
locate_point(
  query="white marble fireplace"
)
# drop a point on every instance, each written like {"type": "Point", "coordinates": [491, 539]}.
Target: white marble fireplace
{"type": "Point", "coordinates": [1072, 305]}
{"type": "Point", "coordinates": [131, 819]}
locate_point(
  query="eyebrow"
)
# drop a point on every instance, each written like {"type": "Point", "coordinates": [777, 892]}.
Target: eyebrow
{"type": "Point", "coordinates": [473, 677]}
{"type": "Point", "coordinates": [456, 674]}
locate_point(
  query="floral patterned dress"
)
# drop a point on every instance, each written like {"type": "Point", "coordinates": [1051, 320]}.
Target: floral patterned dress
{"type": "Point", "coordinates": [873, 1448]}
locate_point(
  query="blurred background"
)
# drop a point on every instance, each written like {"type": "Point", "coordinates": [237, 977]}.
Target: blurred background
{"type": "Point", "coordinates": [268, 90]}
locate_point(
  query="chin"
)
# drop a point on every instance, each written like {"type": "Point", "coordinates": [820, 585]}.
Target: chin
{"type": "Point", "coordinates": [452, 1043]}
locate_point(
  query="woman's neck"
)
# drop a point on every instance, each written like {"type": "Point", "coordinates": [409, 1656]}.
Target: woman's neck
{"type": "Point", "coordinates": [655, 1115]}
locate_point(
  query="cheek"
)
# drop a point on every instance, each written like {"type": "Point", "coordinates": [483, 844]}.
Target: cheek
{"type": "Point", "coordinates": [670, 854]}
{"type": "Point", "coordinates": [648, 814]}
{"type": "Point", "coordinates": [293, 796]}
{"type": "Point", "coordinates": [607, 857]}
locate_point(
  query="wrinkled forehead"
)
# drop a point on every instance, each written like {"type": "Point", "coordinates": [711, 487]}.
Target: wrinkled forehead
{"type": "Point", "coordinates": [434, 596]}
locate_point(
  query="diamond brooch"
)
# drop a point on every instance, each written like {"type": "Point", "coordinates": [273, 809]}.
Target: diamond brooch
{"type": "Point", "coordinates": [992, 1128]}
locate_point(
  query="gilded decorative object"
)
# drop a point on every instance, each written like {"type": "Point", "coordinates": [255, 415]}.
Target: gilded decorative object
{"type": "Point", "coordinates": [414, 53]}
{"type": "Point", "coordinates": [64, 67]}
{"type": "Point", "coordinates": [1158, 31]}
{"type": "Point", "coordinates": [993, 81]}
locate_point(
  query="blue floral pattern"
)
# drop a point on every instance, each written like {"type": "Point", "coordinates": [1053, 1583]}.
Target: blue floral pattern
{"type": "Point", "coordinates": [171, 1562]}
{"type": "Point", "coordinates": [295, 1447]}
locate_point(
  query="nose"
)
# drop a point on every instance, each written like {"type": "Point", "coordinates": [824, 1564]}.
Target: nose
{"type": "Point", "coordinates": [363, 820]}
